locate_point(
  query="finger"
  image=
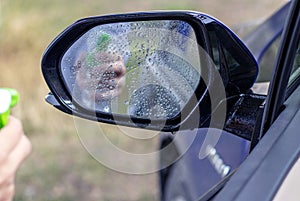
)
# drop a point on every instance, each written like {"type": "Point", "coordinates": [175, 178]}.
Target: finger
{"type": "Point", "coordinates": [10, 136]}
{"type": "Point", "coordinates": [7, 192]}
{"type": "Point", "coordinates": [117, 85]}
{"type": "Point", "coordinates": [119, 68]}
{"type": "Point", "coordinates": [21, 151]}
{"type": "Point", "coordinates": [13, 161]}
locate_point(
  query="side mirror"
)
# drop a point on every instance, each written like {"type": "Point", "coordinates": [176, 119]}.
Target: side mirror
{"type": "Point", "coordinates": [149, 70]}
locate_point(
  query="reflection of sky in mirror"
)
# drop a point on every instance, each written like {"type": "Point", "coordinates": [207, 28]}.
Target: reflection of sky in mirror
{"type": "Point", "coordinates": [160, 53]}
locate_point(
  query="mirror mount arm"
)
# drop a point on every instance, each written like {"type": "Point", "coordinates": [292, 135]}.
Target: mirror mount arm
{"type": "Point", "coordinates": [50, 98]}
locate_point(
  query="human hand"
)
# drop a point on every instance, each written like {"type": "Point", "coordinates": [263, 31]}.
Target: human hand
{"type": "Point", "coordinates": [102, 76]}
{"type": "Point", "coordinates": [14, 148]}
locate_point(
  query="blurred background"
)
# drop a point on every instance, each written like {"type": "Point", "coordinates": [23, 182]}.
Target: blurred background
{"type": "Point", "coordinates": [59, 167]}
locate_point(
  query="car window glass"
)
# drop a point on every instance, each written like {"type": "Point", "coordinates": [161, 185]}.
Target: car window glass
{"type": "Point", "coordinates": [295, 73]}
{"type": "Point", "coordinates": [266, 66]}
{"type": "Point", "coordinates": [267, 62]}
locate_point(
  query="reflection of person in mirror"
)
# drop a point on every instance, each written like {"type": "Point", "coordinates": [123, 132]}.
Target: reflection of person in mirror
{"type": "Point", "coordinates": [101, 75]}
{"type": "Point", "coordinates": [101, 55]}
{"type": "Point", "coordinates": [100, 72]}
{"type": "Point", "coordinates": [14, 148]}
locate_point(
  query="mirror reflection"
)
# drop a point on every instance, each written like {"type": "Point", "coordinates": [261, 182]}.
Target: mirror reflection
{"type": "Point", "coordinates": [147, 69]}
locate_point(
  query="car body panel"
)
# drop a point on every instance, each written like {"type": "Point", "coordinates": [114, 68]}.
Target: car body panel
{"type": "Point", "coordinates": [197, 175]}
{"type": "Point", "coordinates": [261, 174]}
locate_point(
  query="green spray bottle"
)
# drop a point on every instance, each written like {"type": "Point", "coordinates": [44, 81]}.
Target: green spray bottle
{"type": "Point", "coordinates": [101, 45]}
{"type": "Point", "coordinates": [8, 99]}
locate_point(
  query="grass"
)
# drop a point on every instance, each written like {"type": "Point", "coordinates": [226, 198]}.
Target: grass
{"type": "Point", "coordinates": [59, 167]}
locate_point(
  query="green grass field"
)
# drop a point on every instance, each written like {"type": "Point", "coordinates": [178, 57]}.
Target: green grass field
{"type": "Point", "coordinates": [59, 167]}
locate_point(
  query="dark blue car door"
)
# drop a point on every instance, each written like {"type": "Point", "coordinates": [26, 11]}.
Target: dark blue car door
{"type": "Point", "coordinates": [262, 173]}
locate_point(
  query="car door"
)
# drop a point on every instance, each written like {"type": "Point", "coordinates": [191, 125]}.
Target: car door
{"type": "Point", "coordinates": [183, 180]}
{"type": "Point", "coordinates": [263, 172]}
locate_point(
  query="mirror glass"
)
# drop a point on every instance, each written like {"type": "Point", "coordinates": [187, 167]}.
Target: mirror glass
{"type": "Point", "coordinates": [145, 69]}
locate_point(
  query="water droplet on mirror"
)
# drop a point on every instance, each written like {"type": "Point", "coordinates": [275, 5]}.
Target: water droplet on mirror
{"type": "Point", "coordinates": [106, 109]}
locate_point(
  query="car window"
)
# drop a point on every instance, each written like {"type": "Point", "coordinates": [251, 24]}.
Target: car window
{"type": "Point", "coordinates": [266, 66]}
{"type": "Point", "coordinates": [295, 73]}
{"type": "Point", "coordinates": [267, 62]}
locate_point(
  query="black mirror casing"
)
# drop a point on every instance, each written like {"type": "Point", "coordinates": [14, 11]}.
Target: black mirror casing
{"type": "Point", "coordinates": [240, 76]}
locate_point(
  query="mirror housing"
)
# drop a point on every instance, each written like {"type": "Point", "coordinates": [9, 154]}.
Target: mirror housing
{"type": "Point", "coordinates": [213, 45]}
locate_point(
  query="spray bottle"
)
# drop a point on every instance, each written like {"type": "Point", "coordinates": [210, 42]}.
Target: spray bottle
{"type": "Point", "coordinates": [8, 99]}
